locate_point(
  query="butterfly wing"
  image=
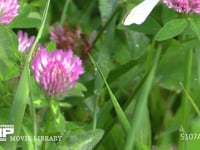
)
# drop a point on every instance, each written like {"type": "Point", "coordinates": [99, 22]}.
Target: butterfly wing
{"type": "Point", "coordinates": [139, 13]}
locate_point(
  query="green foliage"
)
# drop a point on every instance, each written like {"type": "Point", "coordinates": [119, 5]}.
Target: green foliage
{"type": "Point", "coordinates": [140, 89]}
{"type": "Point", "coordinates": [84, 141]}
{"type": "Point", "coordinates": [150, 26]}
{"type": "Point", "coordinates": [26, 19]}
{"type": "Point", "coordinates": [9, 55]}
{"type": "Point", "coordinates": [171, 29]}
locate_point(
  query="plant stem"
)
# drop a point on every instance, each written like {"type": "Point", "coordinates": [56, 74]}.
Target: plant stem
{"type": "Point", "coordinates": [95, 113]}
{"type": "Point", "coordinates": [150, 56]}
{"type": "Point", "coordinates": [47, 123]}
{"type": "Point", "coordinates": [39, 35]}
{"type": "Point", "coordinates": [105, 26]}
{"type": "Point", "coordinates": [141, 105]}
{"type": "Point", "coordinates": [191, 100]}
{"type": "Point", "coordinates": [63, 17]}
{"type": "Point", "coordinates": [33, 114]}
{"type": "Point", "coordinates": [97, 95]}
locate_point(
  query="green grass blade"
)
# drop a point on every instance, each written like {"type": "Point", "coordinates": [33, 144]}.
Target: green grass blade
{"type": "Point", "coordinates": [40, 31]}
{"type": "Point", "coordinates": [141, 104]}
{"type": "Point", "coordinates": [22, 94]}
{"type": "Point", "coordinates": [120, 114]}
{"type": "Point", "coordinates": [18, 107]}
{"type": "Point", "coordinates": [63, 16]}
{"type": "Point", "coordinates": [185, 107]}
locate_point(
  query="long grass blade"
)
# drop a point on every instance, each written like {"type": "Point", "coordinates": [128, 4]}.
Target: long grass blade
{"type": "Point", "coordinates": [141, 104]}
{"type": "Point", "coordinates": [120, 114]}
{"type": "Point", "coordinates": [22, 94]}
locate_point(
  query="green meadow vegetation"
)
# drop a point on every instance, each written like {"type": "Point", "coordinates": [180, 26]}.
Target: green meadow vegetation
{"type": "Point", "coordinates": [140, 89]}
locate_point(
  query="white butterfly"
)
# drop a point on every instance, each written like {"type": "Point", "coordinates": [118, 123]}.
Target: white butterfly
{"type": "Point", "coordinates": [139, 13]}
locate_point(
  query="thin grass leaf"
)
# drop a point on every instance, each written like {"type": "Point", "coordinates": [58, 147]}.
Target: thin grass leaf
{"type": "Point", "coordinates": [39, 35]}
{"type": "Point", "coordinates": [63, 16]}
{"type": "Point", "coordinates": [18, 107]}
{"type": "Point", "coordinates": [22, 94]}
{"type": "Point", "coordinates": [120, 114]}
{"type": "Point", "coordinates": [185, 107]}
{"type": "Point", "coordinates": [27, 144]}
{"type": "Point", "coordinates": [141, 105]}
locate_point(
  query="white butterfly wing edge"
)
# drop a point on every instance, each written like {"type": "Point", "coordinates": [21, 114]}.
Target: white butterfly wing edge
{"type": "Point", "coordinates": [139, 13]}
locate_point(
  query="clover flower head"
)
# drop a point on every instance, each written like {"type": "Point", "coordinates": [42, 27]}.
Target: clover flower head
{"type": "Point", "coordinates": [66, 38]}
{"type": "Point", "coordinates": [195, 4]}
{"type": "Point", "coordinates": [57, 71]}
{"type": "Point", "coordinates": [184, 6]}
{"type": "Point", "coordinates": [24, 42]}
{"type": "Point", "coordinates": [8, 10]}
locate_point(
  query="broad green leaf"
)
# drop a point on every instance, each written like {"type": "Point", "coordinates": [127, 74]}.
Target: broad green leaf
{"type": "Point", "coordinates": [51, 46]}
{"type": "Point", "coordinates": [26, 23]}
{"type": "Point", "coordinates": [168, 14]}
{"type": "Point", "coordinates": [11, 72]}
{"type": "Point", "coordinates": [77, 91]}
{"type": "Point", "coordinates": [190, 44]}
{"type": "Point", "coordinates": [9, 53]}
{"type": "Point", "coordinates": [84, 141]}
{"type": "Point", "coordinates": [106, 9]}
{"type": "Point", "coordinates": [171, 29]}
{"type": "Point", "coordinates": [26, 18]}
{"type": "Point", "coordinates": [171, 79]}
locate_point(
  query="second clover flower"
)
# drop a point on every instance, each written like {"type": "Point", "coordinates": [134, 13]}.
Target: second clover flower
{"type": "Point", "coordinates": [8, 10]}
{"type": "Point", "coordinates": [184, 6]}
{"type": "Point", "coordinates": [57, 71]}
{"type": "Point", "coordinates": [24, 42]}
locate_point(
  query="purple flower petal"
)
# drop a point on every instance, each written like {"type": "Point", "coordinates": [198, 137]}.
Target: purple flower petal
{"type": "Point", "coordinates": [57, 71]}
{"type": "Point", "coordinates": [8, 10]}
{"type": "Point", "coordinates": [184, 6]}
{"type": "Point", "coordinates": [24, 42]}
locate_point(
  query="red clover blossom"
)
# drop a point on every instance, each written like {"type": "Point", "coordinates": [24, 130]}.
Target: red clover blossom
{"type": "Point", "coordinates": [24, 42]}
{"type": "Point", "coordinates": [57, 71]}
{"type": "Point", "coordinates": [8, 10]}
{"type": "Point", "coordinates": [186, 6]}
{"type": "Point", "coordinates": [66, 38]}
